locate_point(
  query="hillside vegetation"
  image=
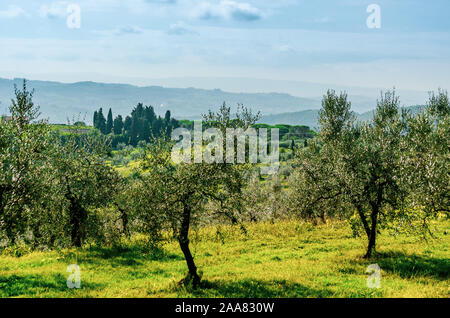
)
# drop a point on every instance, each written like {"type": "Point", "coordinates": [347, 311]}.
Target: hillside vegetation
{"type": "Point", "coordinates": [205, 217]}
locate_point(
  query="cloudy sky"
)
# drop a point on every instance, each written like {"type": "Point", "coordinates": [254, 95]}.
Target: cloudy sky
{"type": "Point", "coordinates": [303, 40]}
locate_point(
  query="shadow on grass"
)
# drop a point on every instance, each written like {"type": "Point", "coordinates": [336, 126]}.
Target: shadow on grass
{"type": "Point", "coordinates": [36, 285]}
{"type": "Point", "coordinates": [125, 256]}
{"type": "Point", "coordinates": [408, 266]}
{"type": "Point", "coordinates": [257, 289]}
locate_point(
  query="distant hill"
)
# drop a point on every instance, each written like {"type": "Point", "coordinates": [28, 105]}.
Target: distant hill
{"type": "Point", "coordinates": [59, 101]}
{"type": "Point", "coordinates": [310, 117]}
{"type": "Point", "coordinates": [306, 117]}
{"type": "Point", "coordinates": [363, 98]}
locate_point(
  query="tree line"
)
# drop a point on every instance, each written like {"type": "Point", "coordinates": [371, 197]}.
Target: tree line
{"type": "Point", "coordinates": [142, 125]}
{"type": "Point", "coordinates": [390, 173]}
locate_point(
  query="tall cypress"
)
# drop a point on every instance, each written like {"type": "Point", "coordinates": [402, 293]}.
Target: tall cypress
{"type": "Point", "coordinates": [127, 124]}
{"type": "Point", "coordinates": [167, 117]}
{"type": "Point", "coordinates": [95, 119]}
{"type": "Point", "coordinates": [118, 125]}
{"type": "Point", "coordinates": [157, 126]}
{"type": "Point", "coordinates": [150, 114]}
{"type": "Point", "coordinates": [134, 130]}
{"type": "Point", "coordinates": [109, 122]}
{"type": "Point", "coordinates": [101, 121]}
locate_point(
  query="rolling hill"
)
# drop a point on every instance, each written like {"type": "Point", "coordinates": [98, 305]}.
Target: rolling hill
{"type": "Point", "coordinates": [58, 101]}
{"type": "Point", "coordinates": [61, 101]}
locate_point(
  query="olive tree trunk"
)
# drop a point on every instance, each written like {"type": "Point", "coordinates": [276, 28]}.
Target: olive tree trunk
{"type": "Point", "coordinates": [183, 240]}
{"type": "Point", "coordinates": [373, 231]}
{"type": "Point", "coordinates": [77, 219]}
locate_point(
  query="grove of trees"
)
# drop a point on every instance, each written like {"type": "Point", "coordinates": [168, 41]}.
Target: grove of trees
{"type": "Point", "coordinates": [142, 125]}
{"type": "Point", "coordinates": [389, 173]}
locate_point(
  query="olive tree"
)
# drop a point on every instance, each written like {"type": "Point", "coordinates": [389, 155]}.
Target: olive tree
{"type": "Point", "coordinates": [427, 162]}
{"type": "Point", "coordinates": [357, 166]}
{"type": "Point", "coordinates": [172, 196]}
{"type": "Point", "coordinates": [371, 161]}
{"type": "Point", "coordinates": [316, 187]}
{"type": "Point", "coordinates": [83, 180]}
{"type": "Point", "coordinates": [265, 201]}
{"type": "Point", "coordinates": [315, 190]}
{"type": "Point", "coordinates": [23, 165]}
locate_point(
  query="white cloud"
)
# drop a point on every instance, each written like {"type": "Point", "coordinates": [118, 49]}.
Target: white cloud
{"type": "Point", "coordinates": [226, 9]}
{"type": "Point", "coordinates": [180, 28]}
{"type": "Point", "coordinates": [128, 29]}
{"type": "Point", "coordinates": [12, 12]}
{"type": "Point", "coordinates": [54, 10]}
{"type": "Point", "coordinates": [286, 49]}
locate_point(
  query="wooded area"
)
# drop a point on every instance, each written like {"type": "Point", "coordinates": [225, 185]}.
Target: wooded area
{"type": "Point", "coordinates": [390, 173]}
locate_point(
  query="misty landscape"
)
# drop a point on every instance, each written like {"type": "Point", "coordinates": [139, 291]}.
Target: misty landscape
{"type": "Point", "coordinates": [62, 101]}
{"type": "Point", "coordinates": [232, 156]}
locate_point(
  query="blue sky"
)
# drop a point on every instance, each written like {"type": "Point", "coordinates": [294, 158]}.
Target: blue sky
{"type": "Point", "coordinates": [299, 40]}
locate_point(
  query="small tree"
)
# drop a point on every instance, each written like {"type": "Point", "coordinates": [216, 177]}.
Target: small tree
{"type": "Point", "coordinates": [118, 125]}
{"type": "Point", "coordinates": [426, 162]}
{"type": "Point", "coordinates": [101, 122]}
{"type": "Point", "coordinates": [174, 196]}
{"type": "Point", "coordinates": [371, 161]}
{"type": "Point", "coordinates": [23, 165]}
{"type": "Point", "coordinates": [83, 180]}
{"type": "Point", "coordinates": [315, 190]}
{"type": "Point", "coordinates": [95, 119]}
{"type": "Point", "coordinates": [357, 166]}
{"type": "Point", "coordinates": [109, 122]}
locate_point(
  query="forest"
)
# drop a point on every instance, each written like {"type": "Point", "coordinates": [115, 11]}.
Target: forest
{"type": "Point", "coordinates": [353, 193]}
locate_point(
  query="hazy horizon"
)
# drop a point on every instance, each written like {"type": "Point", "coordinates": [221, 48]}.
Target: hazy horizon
{"type": "Point", "coordinates": [141, 42]}
{"type": "Point", "coordinates": [253, 86]}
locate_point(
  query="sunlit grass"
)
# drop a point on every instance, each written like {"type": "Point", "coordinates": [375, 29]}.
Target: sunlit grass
{"type": "Point", "coordinates": [284, 259]}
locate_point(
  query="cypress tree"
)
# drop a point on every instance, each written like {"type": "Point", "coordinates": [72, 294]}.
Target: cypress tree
{"type": "Point", "coordinates": [150, 114]}
{"type": "Point", "coordinates": [145, 130]}
{"type": "Point", "coordinates": [134, 130]}
{"type": "Point", "coordinates": [101, 121]}
{"type": "Point", "coordinates": [157, 126]}
{"type": "Point", "coordinates": [127, 124]}
{"type": "Point", "coordinates": [95, 119]}
{"type": "Point", "coordinates": [167, 117]}
{"type": "Point", "coordinates": [109, 122]}
{"type": "Point", "coordinates": [118, 125]}
{"type": "Point", "coordinates": [138, 111]}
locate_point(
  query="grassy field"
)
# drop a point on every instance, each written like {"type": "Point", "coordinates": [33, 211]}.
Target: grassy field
{"type": "Point", "coordinates": [285, 259]}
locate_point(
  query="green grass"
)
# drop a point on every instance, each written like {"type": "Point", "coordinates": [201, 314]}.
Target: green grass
{"type": "Point", "coordinates": [285, 259]}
